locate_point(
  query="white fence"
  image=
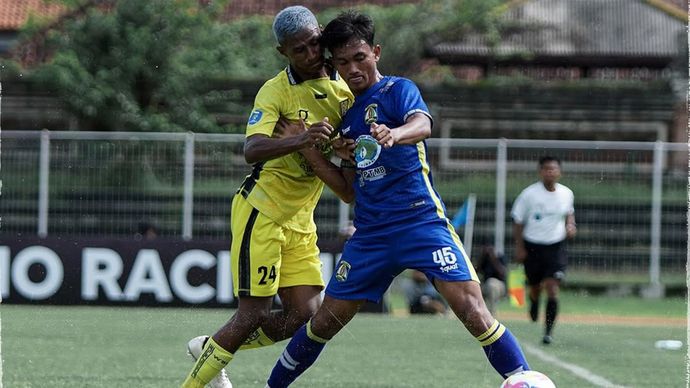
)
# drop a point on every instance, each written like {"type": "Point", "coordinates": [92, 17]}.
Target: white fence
{"type": "Point", "coordinates": [630, 197]}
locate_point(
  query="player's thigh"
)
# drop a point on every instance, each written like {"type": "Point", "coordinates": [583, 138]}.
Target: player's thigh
{"type": "Point", "coordinates": [255, 252]}
{"type": "Point", "coordinates": [435, 249]}
{"type": "Point", "coordinates": [366, 268]}
{"type": "Point", "coordinates": [301, 263]}
{"type": "Point", "coordinates": [557, 262]}
{"type": "Point", "coordinates": [536, 263]}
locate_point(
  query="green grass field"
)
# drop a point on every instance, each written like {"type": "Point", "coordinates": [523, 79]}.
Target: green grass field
{"type": "Point", "coordinates": [145, 347]}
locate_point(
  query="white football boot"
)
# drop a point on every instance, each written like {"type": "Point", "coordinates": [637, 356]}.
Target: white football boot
{"type": "Point", "coordinates": [194, 348]}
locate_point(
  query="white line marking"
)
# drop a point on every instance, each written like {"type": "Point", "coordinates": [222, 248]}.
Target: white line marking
{"type": "Point", "coordinates": [574, 369]}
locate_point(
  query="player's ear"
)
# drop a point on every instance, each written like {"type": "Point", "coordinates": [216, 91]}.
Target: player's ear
{"type": "Point", "coordinates": [377, 52]}
{"type": "Point", "coordinates": [281, 50]}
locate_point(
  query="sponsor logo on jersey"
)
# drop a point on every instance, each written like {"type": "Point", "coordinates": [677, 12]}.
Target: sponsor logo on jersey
{"type": "Point", "coordinates": [255, 117]}
{"type": "Point", "coordinates": [367, 151]}
{"type": "Point", "coordinates": [346, 130]}
{"type": "Point", "coordinates": [374, 173]}
{"type": "Point", "coordinates": [370, 115]}
{"type": "Point", "coordinates": [342, 271]}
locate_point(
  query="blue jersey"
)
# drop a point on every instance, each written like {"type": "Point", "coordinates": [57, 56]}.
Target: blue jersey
{"type": "Point", "coordinates": [399, 218]}
{"type": "Point", "coordinates": [393, 185]}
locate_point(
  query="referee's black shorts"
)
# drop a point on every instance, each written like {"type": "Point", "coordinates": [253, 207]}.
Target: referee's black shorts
{"type": "Point", "coordinates": [545, 261]}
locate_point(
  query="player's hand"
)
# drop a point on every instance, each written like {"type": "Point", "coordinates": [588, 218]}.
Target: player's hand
{"type": "Point", "coordinates": [319, 132]}
{"type": "Point", "coordinates": [285, 128]}
{"type": "Point", "coordinates": [344, 148]}
{"type": "Point", "coordinates": [384, 135]}
{"type": "Point", "coordinates": [520, 254]}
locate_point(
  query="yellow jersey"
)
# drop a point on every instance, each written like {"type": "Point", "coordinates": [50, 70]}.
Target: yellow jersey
{"type": "Point", "coordinates": [286, 189]}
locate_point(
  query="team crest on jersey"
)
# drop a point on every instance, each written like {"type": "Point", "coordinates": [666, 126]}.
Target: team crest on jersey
{"type": "Point", "coordinates": [370, 115]}
{"type": "Point", "coordinates": [303, 114]}
{"type": "Point", "coordinates": [344, 107]}
{"type": "Point", "coordinates": [342, 271]}
{"type": "Point", "coordinates": [367, 151]}
{"type": "Point", "coordinates": [255, 117]}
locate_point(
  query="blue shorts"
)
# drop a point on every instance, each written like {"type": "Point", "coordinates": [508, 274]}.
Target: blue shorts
{"type": "Point", "coordinates": [372, 259]}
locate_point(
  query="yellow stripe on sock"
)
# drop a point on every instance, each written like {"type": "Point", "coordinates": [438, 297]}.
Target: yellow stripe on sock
{"type": "Point", "coordinates": [492, 335]}
{"type": "Point", "coordinates": [313, 336]}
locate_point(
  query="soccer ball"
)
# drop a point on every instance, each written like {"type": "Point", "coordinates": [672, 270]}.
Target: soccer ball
{"type": "Point", "coordinates": [528, 379]}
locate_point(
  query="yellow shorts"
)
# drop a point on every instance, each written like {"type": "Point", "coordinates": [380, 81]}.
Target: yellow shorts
{"type": "Point", "coordinates": [265, 256]}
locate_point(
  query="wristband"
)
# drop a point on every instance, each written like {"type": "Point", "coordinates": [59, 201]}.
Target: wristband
{"type": "Point", "coordinates": [347, 164]}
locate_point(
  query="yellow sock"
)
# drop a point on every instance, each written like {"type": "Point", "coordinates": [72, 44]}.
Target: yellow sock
{"type": "Point", "coordinates": [256, 340]}
{"type": "Point", "coordinates": [212, 360]}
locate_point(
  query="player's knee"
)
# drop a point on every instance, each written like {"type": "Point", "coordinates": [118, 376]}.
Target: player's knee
{"type": "Point", "coordinates": [251, 317]}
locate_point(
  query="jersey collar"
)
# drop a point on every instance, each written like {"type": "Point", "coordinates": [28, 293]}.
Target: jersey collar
{"type": "Point", "coordinates": [295, 79]}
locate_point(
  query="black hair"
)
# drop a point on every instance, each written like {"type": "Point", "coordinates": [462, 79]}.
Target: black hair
{"type": "Point", "coordinates": [546, 159]}
{"type": "Point", "coordinates": [345, 27]}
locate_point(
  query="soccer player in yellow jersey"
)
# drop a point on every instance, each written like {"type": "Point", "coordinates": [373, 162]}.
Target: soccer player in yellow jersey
{"type": "Point", "coordinates": [273, 232]}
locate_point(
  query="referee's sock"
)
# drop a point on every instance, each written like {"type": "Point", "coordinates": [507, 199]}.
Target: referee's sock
{"type": "Point", "coordinates": [299, 354]}
{"type": "Point", "coordinates": [551, 314]}
{"type": "Point", "coordinates": [503, 350]}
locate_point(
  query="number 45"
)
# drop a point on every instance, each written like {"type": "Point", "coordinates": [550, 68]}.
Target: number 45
{"type": "Point", "coordinates": [444, 256]}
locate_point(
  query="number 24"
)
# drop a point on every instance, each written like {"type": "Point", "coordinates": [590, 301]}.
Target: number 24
{"type": "Point", "coordinates": [265, 273]}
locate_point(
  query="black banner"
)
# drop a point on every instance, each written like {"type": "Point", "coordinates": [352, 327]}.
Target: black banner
{"type": "Point", "coordinates": [160, 272]}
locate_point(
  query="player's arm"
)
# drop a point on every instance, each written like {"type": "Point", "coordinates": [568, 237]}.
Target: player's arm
{"type": "Point", "coordinates": [570, 226]}
{"type": "Point", "coordinates": [416, 128]}
{"type": "Point", "coordinates": [260, 147]}
{"type": "Point", "coordinates": [264, 141]}
{"type": "Point", "coordinates": [332, 175]}
{"type": "Point", "coordinates": [496, 263]}
{"type": "Point", "coordinates": [339, 179]}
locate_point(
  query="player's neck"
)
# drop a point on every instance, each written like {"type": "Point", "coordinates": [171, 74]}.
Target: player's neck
{"type": "Point", "coordinates": [312, 75]}
{"type": "Point", "coordinates": [550, 186]}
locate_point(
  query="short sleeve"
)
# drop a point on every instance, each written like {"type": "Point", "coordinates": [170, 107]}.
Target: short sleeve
{"type": "Point", "coordinates": [409, 100]}
{"type": "Point", "coordinates": [519, 210]}
{"type": "Point", "coordinates": [266, 111]}
{"type": "Point", "coordinates": [571, 198]}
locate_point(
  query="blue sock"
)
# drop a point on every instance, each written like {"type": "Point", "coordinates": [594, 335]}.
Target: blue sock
{"type": "Point", "coordinates": [503, 350]}
{"type": "Point", "coordinates": [304, 348]}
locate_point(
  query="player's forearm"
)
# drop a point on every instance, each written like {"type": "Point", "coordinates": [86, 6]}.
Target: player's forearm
{"type": "Point", "coordinates": [332, 175]}
{"type": "Point", "coordinates": [416, 129]}
{"type": "Point", "coordinates": [570, 226]}
{"type": "Point", "coordinates": [260, 148]}
{"type": "Point", "coordinates": [517, 235]}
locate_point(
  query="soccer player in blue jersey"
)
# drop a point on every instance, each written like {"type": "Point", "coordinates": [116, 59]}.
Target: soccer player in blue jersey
{"type": "Point", "coordinates": [400, 219]}
{"type": "Point", "coordinates": [274, 250]}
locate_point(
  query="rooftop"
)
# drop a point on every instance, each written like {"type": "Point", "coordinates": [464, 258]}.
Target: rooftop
{"type": "Point", "coordinates": [14, 13]}
{"type": "Point", "coordinates": [547, 31]}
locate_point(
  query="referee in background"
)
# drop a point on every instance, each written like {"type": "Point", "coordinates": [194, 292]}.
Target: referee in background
{"type": "Point", "coordinates": [543, 218]}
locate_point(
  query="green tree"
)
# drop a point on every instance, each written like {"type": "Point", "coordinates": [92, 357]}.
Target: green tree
{"type": "Point", "coordinates": [149, 65]}
{"type": "Point", "coordinates": [161, 65]}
